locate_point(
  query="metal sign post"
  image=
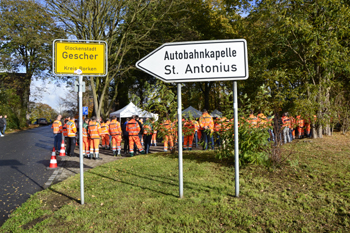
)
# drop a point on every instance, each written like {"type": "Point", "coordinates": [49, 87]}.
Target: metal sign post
{"type": "Point", "coordinates": [179, 115]}
{"type": "Point", "coordinates": [81, 156]}
{"type": "Point", "coordinates": [199, 61]}
{"type": "Point", "coordinates": [73, 58]}
{"type": "Point", "coordinates": [235, 119]}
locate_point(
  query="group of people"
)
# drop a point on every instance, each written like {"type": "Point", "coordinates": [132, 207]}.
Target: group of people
{"type": "Point", "coordinates": [211, 129]}
{"type": "Point", "coordinates": [3, 124]}
{"type": "Point", "coordinates": [139, 135]}
{"type": "Point", "coordinates": [296, 127]}
{"type": "Point", "coordinates": [93, 131]}
{"type": "Point", "coordinates": [106, 133]}
{"type": "Point", "coordinates": [193, 131]}
{"type": "Point", "coordinates": [288, 127]}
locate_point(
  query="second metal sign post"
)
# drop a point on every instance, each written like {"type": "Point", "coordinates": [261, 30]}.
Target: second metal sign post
{"type": "Point", "coordinates": [200, 61]}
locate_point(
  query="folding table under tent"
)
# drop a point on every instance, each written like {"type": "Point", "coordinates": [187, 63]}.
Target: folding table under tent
{"type": "Point", "coordinates": [216, 113]}
{"type": "Point", "coordinates": [191, 111]}
{"type": "Point", "coordinates": [130, 110]}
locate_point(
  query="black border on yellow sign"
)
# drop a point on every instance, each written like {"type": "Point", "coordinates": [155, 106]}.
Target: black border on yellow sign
{"type": "Point", "coordinates": [80, 42]}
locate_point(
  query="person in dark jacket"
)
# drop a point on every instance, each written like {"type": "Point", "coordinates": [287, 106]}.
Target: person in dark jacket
{"type": "Point", "coordinates": [2, 125]}
{"type": "Point", "coordinates": [5, 124]}
{"type": "Point", "coordinates": [125, 137]}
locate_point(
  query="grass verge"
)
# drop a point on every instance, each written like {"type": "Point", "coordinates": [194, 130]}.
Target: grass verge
{"type": "Point", "coordinates": [140, 194]}
{"type": "Point", "coordinates": [8, 131]}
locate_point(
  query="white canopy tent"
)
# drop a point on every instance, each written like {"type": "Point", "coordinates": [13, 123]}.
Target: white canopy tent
{"type": "Point", "coordinates": [191, 111]}
{"type": "Point", "coordinates": [132, 109]}
{"type": "Point", "coordinates": [216, 113]}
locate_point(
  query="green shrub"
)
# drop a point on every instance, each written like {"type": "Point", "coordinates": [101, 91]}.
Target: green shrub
{"type": "Point", "coordinates": [10, 105]}
{"type": "Point", "coordinates": [253, 144]}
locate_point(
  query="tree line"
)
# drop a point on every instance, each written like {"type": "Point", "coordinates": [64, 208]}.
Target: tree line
{"type": "Point", "coordinates": [298, 51]}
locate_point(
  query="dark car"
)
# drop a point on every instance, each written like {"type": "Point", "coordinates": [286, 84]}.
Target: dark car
{"type": "Point", "coordinates": [42, 121]}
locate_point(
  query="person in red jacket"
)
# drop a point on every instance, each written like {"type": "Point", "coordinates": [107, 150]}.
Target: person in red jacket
{"type": "Point", "coordinates": [133, 128]}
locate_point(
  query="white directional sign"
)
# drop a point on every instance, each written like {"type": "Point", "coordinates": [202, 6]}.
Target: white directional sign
{"type": "Point", "coordinates": [198, 61]}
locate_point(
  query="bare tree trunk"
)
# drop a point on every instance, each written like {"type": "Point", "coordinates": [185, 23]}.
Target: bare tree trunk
{"type": "Point", "coordinates": [327, 130]}
{"type": "Point", "coordinates": [319, 131]}
{"type": "Point", "coordinates": [314, 131]}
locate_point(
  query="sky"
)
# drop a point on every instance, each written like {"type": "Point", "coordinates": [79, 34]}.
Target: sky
{"type": "Point", "coordinates": [51, 94]}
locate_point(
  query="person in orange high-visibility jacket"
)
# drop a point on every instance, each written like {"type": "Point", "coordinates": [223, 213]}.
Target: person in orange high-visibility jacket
{"type": "Point", "coordinates": [105, 135]}
{"type": "Point", "coordinates": [261, 120]}
{"type": "Point", "coordinates": [133, 128]}
{"type": "Point", "coordinates": [174, 131]}
{"type": "Point", "coordinates": [86, 141]}
{"type": "Point", "coordinates": [293, 126]}
{"type": "Point", "coordinates": [307, 128]}
{"type": "Point", "coordinates": [65, 133]}
{"type": "Point", "coordinates": [57, 132]}
{"type": "Point", "coordinates": [225, 124]}
{"type": "Point", "coordinates": [197, 134]}
{"type": "Point", "coordinates": [217, 125]}
{"type": "Point", "coordinates": [94, 131]}
{"type": "Point", "coordinates": [206, 124]}
{"type": "Point", "coordinates": [115, 131]}
{"type": "Point", "coordinates": [108, 121]}
{"type": "Point", "coordinates": [269, 121]}
{"type": "Point", "coordinates": [71, 132]}
{"type": "Point", "coordinates": [64, 129]}
{"type": "Point", "coordinates": [154, 136]}
{"type": "Point", "coordinates": [301, 124]}
{"type": "Point", "coordinates": [147, 134]}
{"type": "Point", "coordinates": [308, 124]}
{"type": "Point", "coordinates": [188, 132]}
{"type": "Point", "coordinates": [285, 127]}
{"type": "Point", "coordinates": [168, 137]}
{"type": "Point", "coordinates": [253, 120]}
{"type": "Point", "coordinates": [218, 129]}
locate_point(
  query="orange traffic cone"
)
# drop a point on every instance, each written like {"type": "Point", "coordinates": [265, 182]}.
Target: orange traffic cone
{"type": "Point", "coordinates": [62, 151]}
{"type": "Point", "coordinates": [53, 152]}
{"type": "Point", "coordinates": [53, 161]}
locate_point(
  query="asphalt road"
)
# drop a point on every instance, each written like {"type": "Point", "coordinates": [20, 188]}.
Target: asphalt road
{"type": "Point", "coordinates": [24, 157]}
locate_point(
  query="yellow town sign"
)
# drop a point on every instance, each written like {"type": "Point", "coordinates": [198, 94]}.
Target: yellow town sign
{"type": "Point", "coordinates": [88, 56]}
